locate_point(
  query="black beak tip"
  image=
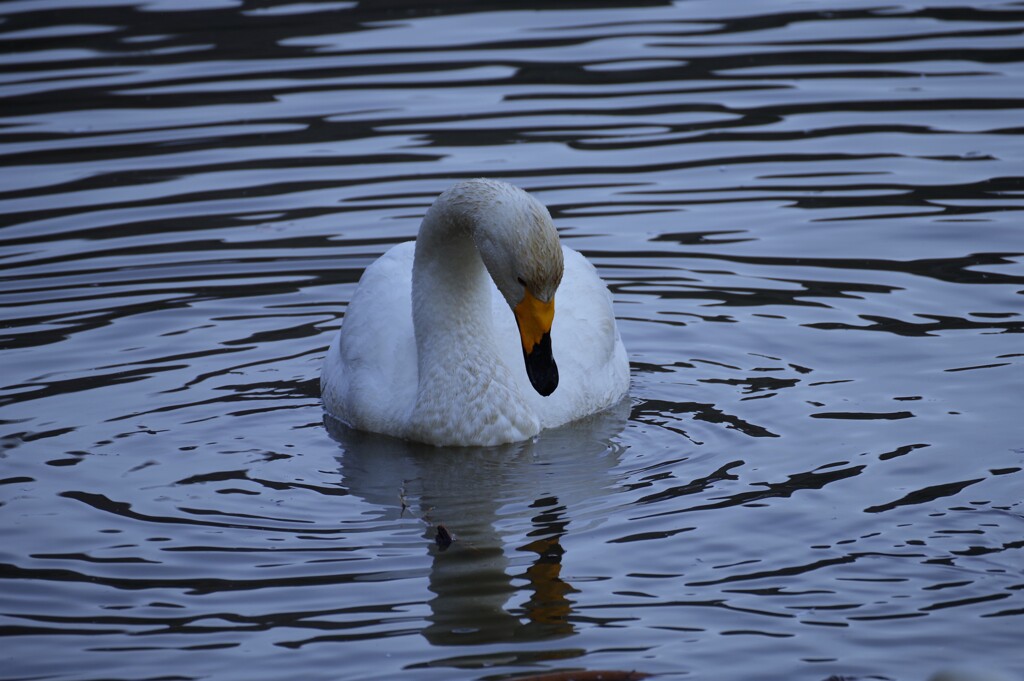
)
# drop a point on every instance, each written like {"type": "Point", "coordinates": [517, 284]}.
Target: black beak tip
{"type": "Point", "coordinates": [546, 384]}
{"type": "Point", "coordinates": [541, 367]}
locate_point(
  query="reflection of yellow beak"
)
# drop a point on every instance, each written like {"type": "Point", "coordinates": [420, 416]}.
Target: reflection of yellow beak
{"type": "Point", "coordinates": [534, 318]}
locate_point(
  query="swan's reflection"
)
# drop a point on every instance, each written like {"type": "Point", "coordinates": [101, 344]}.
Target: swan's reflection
{"type": "Point", "coordinates": [474, 493]}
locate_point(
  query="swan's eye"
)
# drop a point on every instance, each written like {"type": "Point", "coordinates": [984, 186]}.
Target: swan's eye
{"type": "Point", "coordinates": [521, 282]}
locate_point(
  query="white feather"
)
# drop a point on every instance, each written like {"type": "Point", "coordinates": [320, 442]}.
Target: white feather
{"type": "Point", "coordinates": [436, 356]}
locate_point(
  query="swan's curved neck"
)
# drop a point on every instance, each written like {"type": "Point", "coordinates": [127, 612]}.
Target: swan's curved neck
{"type": "Point", "coordinates": [462, 378]}
{"type": "Point", "coordinates": [450, 285]}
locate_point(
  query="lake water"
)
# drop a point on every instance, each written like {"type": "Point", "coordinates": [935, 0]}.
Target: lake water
{"type": "Point", "coordinates": [811, 218]}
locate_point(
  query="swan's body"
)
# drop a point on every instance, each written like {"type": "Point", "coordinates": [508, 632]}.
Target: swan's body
{"type": "Point", "coordinates": [430, 350]}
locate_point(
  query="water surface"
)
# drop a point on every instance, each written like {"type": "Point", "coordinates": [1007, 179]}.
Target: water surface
{"type": "Point", "coordinates": [809, 215]}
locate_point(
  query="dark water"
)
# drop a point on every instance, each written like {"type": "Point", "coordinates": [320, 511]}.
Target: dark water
{"type": "Point", "coordinates": [810, 215]}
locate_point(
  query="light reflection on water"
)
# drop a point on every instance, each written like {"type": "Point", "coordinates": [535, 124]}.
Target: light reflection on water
{"type": "Point", "coordinates": [809, 217]}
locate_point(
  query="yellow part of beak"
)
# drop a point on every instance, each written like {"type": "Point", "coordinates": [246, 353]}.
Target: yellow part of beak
{"type": "Point", "coordinates": [534, 318]}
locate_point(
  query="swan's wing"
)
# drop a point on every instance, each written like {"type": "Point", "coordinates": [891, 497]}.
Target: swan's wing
{"type": "Point", "coordinates": [593, 371]}
{"type": "Point", "coordinates": [586, 344]}
{"type": "Point", "coordinates": [369, 376]}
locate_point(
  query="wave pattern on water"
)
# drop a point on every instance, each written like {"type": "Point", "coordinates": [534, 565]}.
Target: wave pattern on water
{"type": "Point", "coordinates": [810, 220]}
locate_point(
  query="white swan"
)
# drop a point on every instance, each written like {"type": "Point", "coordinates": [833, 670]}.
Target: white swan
{"type": "Point", "coordinates": [430, 350]}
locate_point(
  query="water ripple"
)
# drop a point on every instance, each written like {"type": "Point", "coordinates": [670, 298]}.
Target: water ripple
{"type": "Point", "coordinates": [809, 219]}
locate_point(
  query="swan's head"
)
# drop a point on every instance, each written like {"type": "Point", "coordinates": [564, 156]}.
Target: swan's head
{"type": "Point", "coordinates": [520, 248]}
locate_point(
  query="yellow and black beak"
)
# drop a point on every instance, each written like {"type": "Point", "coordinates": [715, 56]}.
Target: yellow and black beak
{"type": "Point", "coordinates": [534, 318]}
